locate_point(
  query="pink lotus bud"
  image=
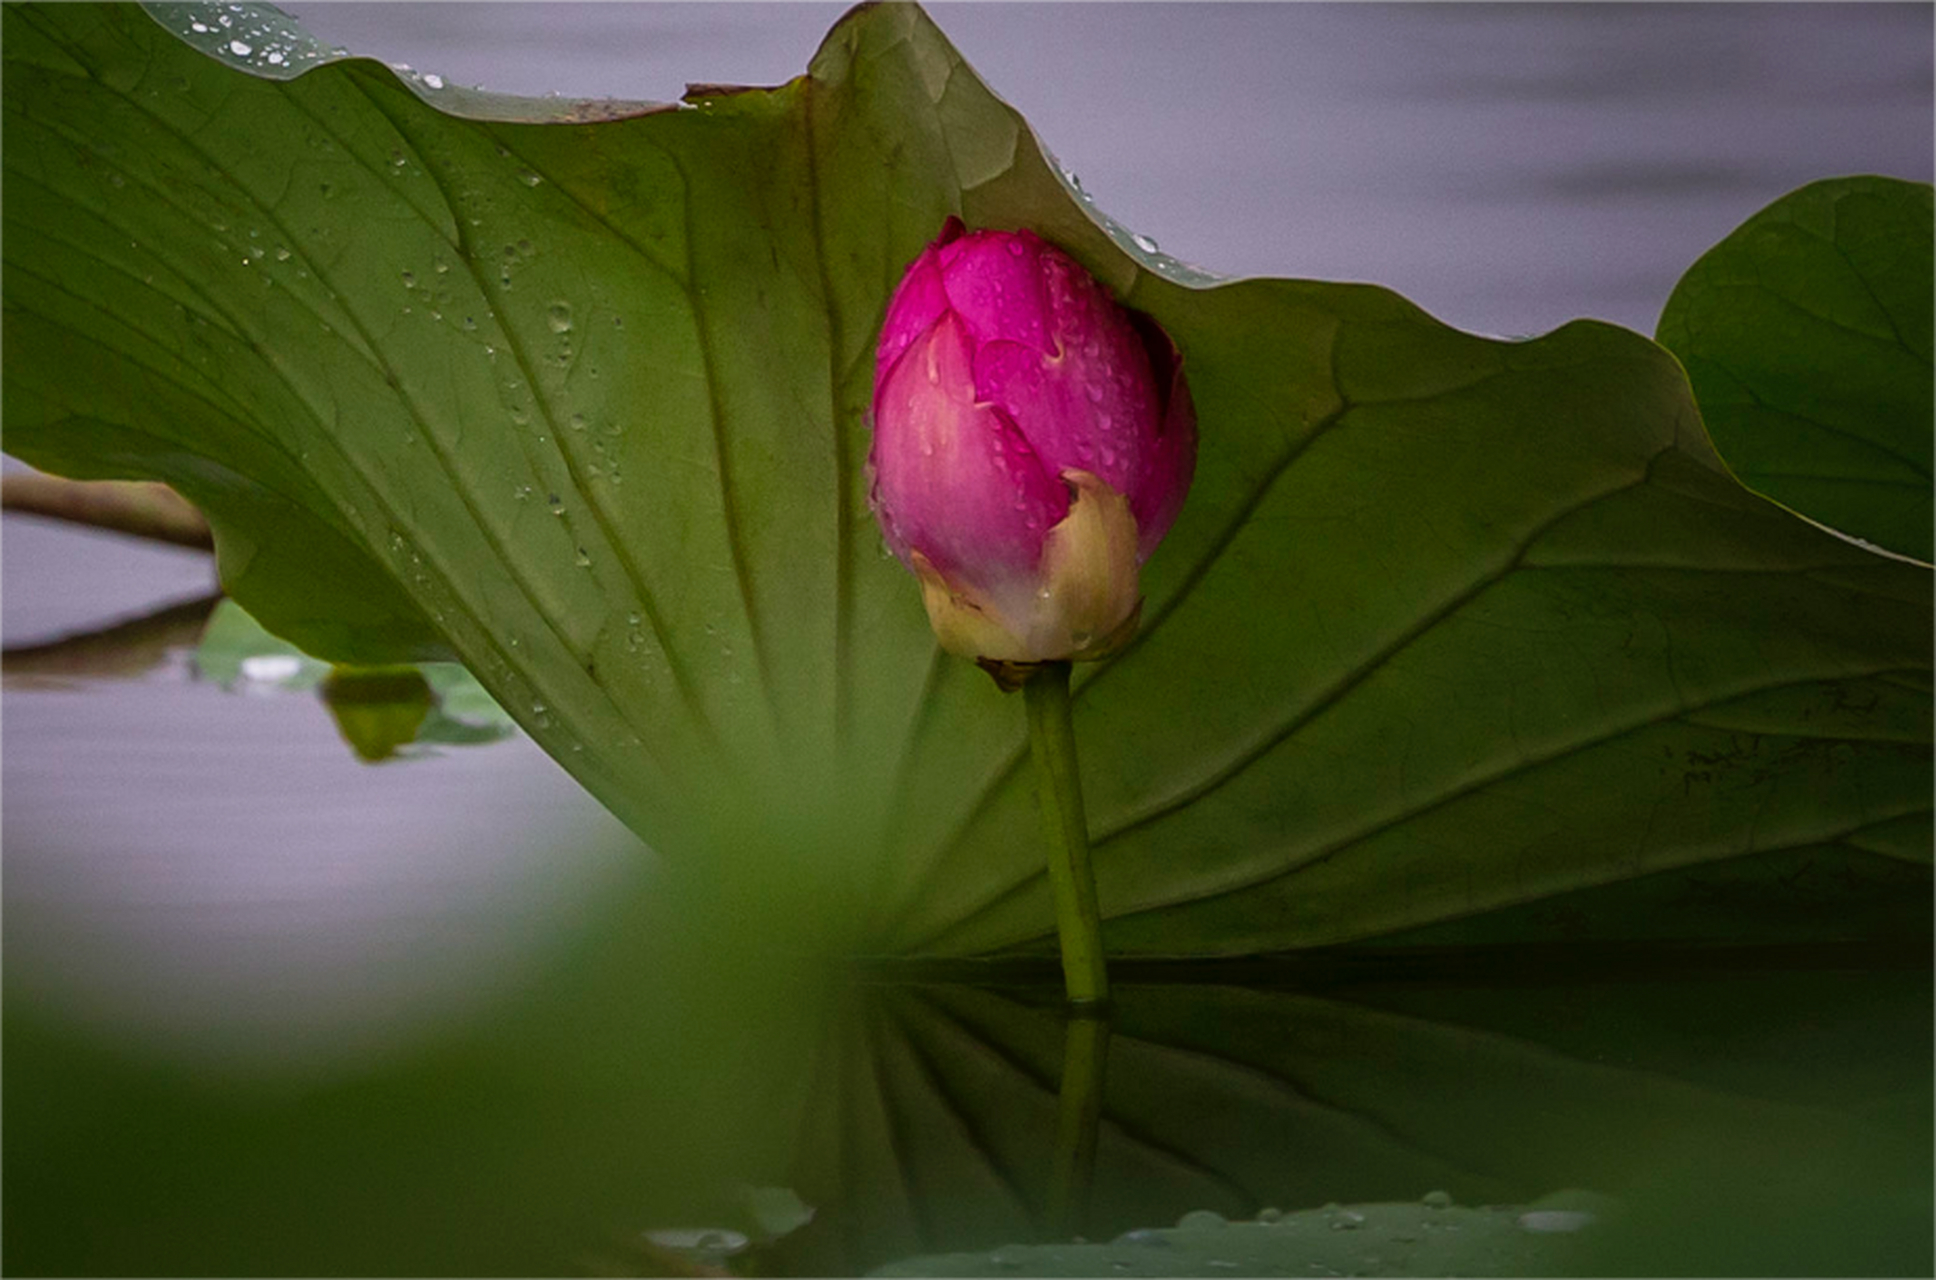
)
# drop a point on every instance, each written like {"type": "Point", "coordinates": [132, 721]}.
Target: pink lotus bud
{"type": "Point", "coordinates": [1033, 442]}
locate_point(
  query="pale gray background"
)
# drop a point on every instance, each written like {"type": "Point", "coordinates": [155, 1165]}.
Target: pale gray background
{"type": "Point", "coordinates": [1509, 167]}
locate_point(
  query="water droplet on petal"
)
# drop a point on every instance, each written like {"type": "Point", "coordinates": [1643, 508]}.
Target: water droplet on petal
{"type": "Point", "coordinates": [434, 81]}
{"type": "Point", "coordinates": [239, 49]}
{"type": "Point", "coordinates": [1145, 243]}
{"type": "Point", "coordinates": [560, 317]}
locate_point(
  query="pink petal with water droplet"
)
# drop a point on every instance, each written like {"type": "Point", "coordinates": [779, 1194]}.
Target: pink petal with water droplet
{"type": "Point", "coordinates": [996, 291]}
{"type": "Point", "coordinates": [1173, 460]}
{"type": "Point", "coordinates": [919, 301]}
{"type": "Point", "coordinates": [954, 478]}
{"type": "Point", "coordinates": [1096, 408]}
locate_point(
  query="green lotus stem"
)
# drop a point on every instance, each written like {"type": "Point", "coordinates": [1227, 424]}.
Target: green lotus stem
{"type": "Point", "coordinates": [1052, 740]}
{"type": "Point", "coordinates": [1085, 1058]}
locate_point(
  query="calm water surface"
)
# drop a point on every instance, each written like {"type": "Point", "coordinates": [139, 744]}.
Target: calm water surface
{"type": "Point", "coordinates": [272, 1010]}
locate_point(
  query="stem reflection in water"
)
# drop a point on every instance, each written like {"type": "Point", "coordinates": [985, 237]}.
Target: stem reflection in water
{"type": "Point", "coordinates": [1085, 1062]}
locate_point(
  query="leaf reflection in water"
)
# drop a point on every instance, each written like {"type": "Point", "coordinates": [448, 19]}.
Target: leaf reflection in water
{"type": "Point", "coordinates": [934, 1124]}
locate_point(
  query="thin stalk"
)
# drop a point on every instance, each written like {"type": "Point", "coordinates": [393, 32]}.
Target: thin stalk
{"type": "Point", "coordinates": [1052, 741]}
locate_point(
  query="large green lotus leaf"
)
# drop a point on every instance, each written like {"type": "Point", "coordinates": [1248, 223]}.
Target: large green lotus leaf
{"type": "Point", "coordinates": [1807, 336]}
{"type": "Point", "coordinates": [577, 393]}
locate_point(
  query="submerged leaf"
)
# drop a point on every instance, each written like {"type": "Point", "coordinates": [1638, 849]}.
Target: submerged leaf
{"type": "Point", "coordinates": [377, 709]}
{"type": "Point", "coordinates": [1447, 624]}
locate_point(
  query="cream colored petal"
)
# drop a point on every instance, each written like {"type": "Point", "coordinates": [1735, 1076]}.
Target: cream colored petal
{"type": "Point", "coordinates": [1083, 602]}
{"type": "Point", "coordinates": [964, 627]}
{"type": "Point", "coordinates": [1089, 574]}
